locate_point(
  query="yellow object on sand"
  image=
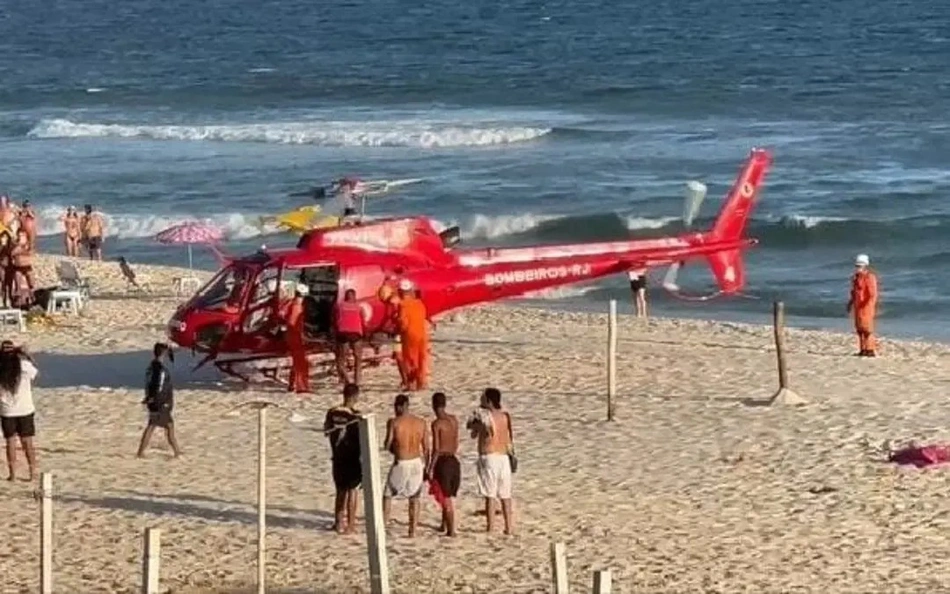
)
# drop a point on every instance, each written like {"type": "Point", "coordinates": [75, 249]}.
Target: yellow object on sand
{"type": "Point", "coordinates": [302, 220]}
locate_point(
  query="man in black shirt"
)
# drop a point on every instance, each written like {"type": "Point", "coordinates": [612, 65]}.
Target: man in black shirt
{"type": "Point", "coordinates": [342, 429]}
{"type": "Point", "coordinates": [159, 400]}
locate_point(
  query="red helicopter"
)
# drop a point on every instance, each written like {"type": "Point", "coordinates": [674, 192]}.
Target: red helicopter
{"type": "Point", "coordinates": [234, 319]}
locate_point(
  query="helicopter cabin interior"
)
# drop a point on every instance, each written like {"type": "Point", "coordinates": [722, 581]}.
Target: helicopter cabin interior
{"type": "Point", "coordinates": [323, 281]}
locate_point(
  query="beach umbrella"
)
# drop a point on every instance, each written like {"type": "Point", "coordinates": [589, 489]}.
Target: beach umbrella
{"type": "Point", "coordinates": [190, 234]}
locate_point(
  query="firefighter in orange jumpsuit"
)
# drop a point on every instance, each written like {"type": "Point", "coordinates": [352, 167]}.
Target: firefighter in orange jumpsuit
{"type": "Point", "coordinates": [300, 368]}
{"type": "Point", "coordinates": [387, 294]}
{"type": "Point", "coordinates": [863, 304]}
{"type": "Point", "coordinates": [414, 336]}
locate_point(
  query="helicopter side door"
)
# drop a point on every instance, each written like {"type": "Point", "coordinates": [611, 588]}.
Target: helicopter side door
{"type": "Point", "coordinates": [323, 282]}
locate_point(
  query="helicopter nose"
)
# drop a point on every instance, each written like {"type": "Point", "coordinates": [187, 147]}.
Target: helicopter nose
{"type": "Point", "coordinates": [177, 332]}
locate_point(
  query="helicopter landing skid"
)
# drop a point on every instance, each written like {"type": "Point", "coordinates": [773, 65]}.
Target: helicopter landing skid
{"type": "Point", "coordinates": [276, 369]}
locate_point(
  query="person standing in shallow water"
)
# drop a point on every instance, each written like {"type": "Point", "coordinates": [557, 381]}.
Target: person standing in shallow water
{"type": "Point", "coordinates": [159, 400]}
{"type": "Point", "coordinates": [444, 468]}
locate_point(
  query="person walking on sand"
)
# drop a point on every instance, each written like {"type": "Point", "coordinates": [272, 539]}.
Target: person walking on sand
{"type": "Point", "coordinates": [863, 305]}
{"type": "Point", "coordinates": [342, 429]}
{"type": "Point", "coordinates": [159, 400]}
{"type": "Point", "coordinates": [638, 290]}
{"type": "Point", "coordinates": [444, 469]}
{"type": "Point", "coordinates": [408, 440]}
{"type": "Point", "coordinates": [17, 372]}
{"type": "Point", "coordinates": [491, 426]}
{"type": "Point", "coordinates": [93, 232]}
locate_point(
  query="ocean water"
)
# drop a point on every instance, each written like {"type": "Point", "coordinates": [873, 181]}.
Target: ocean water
{"type": "Point", "coordinates": [531, 121]}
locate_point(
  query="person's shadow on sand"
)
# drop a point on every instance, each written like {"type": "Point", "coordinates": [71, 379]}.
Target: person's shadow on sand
{"type": "Point", "coordinates": [278, 517]}
{"type": "Point", "coordinates": [124, 370]}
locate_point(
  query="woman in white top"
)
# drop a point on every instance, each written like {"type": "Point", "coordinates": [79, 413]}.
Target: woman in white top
{"type": "Point", "coordinates": [17, 373]}
{"type": "Point", "coordinates": [638, 286]}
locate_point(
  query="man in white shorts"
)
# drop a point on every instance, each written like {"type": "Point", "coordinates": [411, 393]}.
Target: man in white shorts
{"type": "Point", "coordinates": [407, 437]}
{"type": "Point", "coordinates": [491, 426]}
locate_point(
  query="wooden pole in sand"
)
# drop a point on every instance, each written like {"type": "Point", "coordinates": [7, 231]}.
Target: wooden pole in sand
{"type": "Point", "coordinates": [602, 582]}
{"type": "Point", "coordinates": [611, 359]}
{"type": "Point", "coordinates": [151, 560]}
{"type": "Point", "coordinates": [784, 395]}
{"type": "Point", "coordinates": [46, 533]}
{"type": "Point", "coordinates": [778, 326]}
{"type": "Point", "coordinates": [373, 507]}
{"type": "Point", "coordinates": [261, 498]}
{"type": "Point", "coordinates": [559, 568]}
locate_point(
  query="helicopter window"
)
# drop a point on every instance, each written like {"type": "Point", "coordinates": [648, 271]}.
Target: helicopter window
{"type": "Point", "coordinates": [224, 290]}
{"type": "Point", "coordinates": [262, 289]}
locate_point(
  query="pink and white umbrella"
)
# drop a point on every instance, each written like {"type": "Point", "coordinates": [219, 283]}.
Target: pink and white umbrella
{"type": "Point", "coordinates": [190, 234]}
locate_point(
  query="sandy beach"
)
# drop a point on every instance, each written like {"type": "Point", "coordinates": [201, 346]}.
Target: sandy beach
{"type": "Point", "coordinates": [693, 488]}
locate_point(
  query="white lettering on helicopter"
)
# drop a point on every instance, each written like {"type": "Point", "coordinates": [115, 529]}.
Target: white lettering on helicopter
{"type": "Point", "coordinates": [536, 274]}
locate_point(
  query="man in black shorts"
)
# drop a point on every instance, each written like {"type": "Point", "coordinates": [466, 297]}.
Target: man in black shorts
{"type": "Point", "coordinates": [342, 429]}
{"type": "Point", "coordinates": [349, 328]}
{"type": "Point", "coordinates": [444, 468]}
{"type": "Point", "coordinates": [159, 400]}
{"type": "Point", "coordinates": [638, 287]}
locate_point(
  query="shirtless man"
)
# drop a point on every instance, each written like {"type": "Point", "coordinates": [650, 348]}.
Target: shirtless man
{"type": "Point", "coordinates": [93, 232]}
{"type": "Point", "coordinates": [8, 216]}
{"type": "Point", "coordinates": [22, 255]}
{"type": "Point", "coordinates": [444, 468]}
{"type": "Point", "coordinates": [407, 438]}
{"type": "Point", "coordinates": [71, 232]}
{"type": "Point", "coordinates": [28, 223]}
{"type": "Point", "coordinates": [491, 426]}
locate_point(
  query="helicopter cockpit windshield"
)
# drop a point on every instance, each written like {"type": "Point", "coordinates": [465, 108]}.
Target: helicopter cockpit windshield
{"type": "Point", "coordinates": [226, 289]}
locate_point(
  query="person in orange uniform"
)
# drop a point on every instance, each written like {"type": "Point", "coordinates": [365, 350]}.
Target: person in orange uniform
{"type": "Point", "coordinates": [300, 368]}
{"type": "Point", "coordinates": [414, 336]}
{"type": "Point", "coordinates": [863, 304]}
{"type": "Point", "coordinates": [387, 294]}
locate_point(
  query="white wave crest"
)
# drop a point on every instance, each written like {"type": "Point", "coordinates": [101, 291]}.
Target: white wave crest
{"type": "Point", "coordinates": [555, 293]}
{"type": "Point", "coordinates": [137, 226]}
{"type": "Point", "coordinates": [400, 133]}
{"type": "Point", "coordinates": [634, 223]}
{"type": "Point", "coordinates": [485, 227]}
{"type": "Point", "coordinates": [807, 221]}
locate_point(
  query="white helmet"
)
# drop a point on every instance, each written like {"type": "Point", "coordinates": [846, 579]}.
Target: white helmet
{"type": "Point", "coordinates": [405, 285]}
{"type": "Point", "coordinates": [303, 290]}
{"type": "Point", "coordinates": [862, 260]}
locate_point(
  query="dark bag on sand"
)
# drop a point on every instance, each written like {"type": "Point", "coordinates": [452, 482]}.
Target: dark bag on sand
{"type": "Point", "coordinates": [512, 458]}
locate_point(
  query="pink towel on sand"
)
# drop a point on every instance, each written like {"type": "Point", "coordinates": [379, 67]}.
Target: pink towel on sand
{"type": "Point", "coordinates": [921, 456]}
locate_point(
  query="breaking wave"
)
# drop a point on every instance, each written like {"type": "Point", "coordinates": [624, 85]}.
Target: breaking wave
{"type": "Point", "coordinates": [395, 133]}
